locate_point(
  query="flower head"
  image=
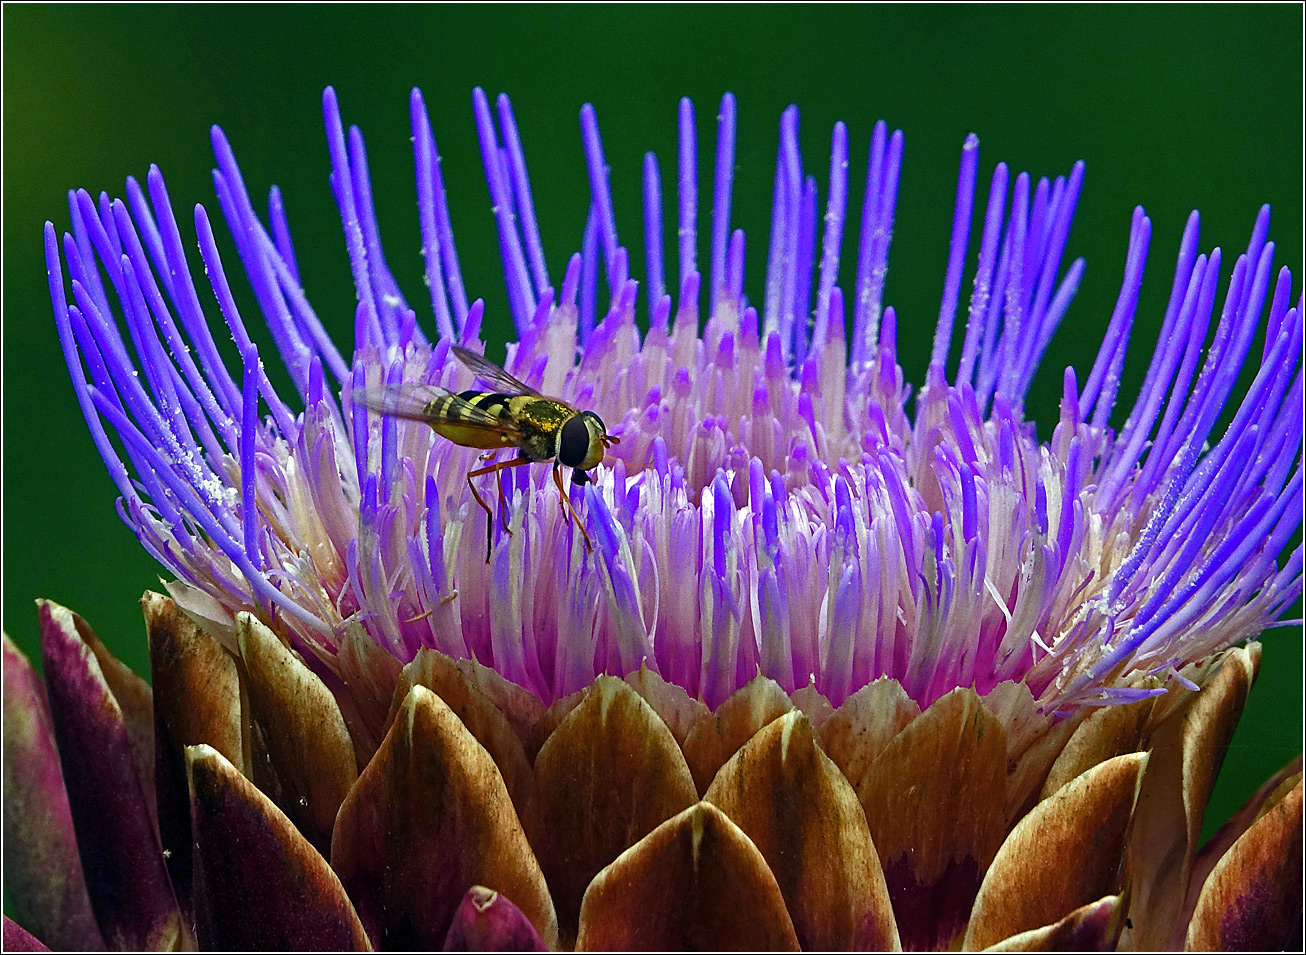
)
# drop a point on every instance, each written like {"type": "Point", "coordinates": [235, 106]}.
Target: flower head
{"type": "Point", "coordinates": [774, 505]}
{"type": "Point", "coordinates": [779, 513]}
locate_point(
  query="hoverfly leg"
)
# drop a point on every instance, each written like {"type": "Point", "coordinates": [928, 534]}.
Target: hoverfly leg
{"type": "Point", "coordinates": [567, 508]}
{"type": "Point", "coordinates": [503, 505]}
{"type": "Point", "coordinates": [491, 469]}
{"type": "Point", "coordinates": [489, 517]}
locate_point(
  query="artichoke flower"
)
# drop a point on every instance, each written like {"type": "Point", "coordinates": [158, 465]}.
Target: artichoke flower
{"type": "Point", "coordinates": [816, 666]}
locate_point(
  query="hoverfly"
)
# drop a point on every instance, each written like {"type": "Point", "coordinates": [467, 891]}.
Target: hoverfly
{"type": "Point", "coordinates": [541, 428]}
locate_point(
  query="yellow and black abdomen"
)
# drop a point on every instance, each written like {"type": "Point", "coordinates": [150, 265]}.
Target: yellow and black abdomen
{"type": "Point", "coordinates": [447, 413]}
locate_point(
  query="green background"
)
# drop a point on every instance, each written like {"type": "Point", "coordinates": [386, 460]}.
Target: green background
{"type": "Point", "coordinates": [1175, 108]}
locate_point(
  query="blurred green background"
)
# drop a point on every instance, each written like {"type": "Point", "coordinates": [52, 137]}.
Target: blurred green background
{"type": "Point", "coordinates": [1175, 108]}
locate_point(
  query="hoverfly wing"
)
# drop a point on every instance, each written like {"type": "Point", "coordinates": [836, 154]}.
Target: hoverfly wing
{"type": "Point", "coordinates": [404, 400]}
{"type": "Point", "coordinates": [489, 372]}
{"type": "Point", "coordinates": [438, 407]}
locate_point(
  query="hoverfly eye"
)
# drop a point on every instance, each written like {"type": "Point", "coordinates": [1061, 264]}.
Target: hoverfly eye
{"type": "Point", "coordinates": [573, 442]}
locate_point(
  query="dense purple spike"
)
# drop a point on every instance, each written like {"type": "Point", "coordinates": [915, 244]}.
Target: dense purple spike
{"type": "Point", "coordinates": [1036, 238]}
{"type": "Point", "coordinates": [1187, 253]}
{"type": "Point", "coordinates": [1270, 383]}
{"type": "Point", "coordinates": [1014, 306]}
{"type": "Point", "coordinates": [128, 386]}
{"type": "Point", "coordinates": [655, 277]}
{"type": "Point", "coordinates": [722, 183]}
{"type": "Point", "coordinates": [248, 431]}
{"type": "Point", "coordinates": [1278, 308]}
{"type": "Point", "coordinates": [863, 330]}
{"type": "Point", "coordinates": [117, 472]}
{"type": "Point", "coordinates": [792, 235]}
{"type": "Point", "coordinates": [147, 232]}
{"type": "Point", "coordinates": [1056, 309]}
{"type": "Point", "coordinates": [589, 276]}
{"type": "Point", "coordinates": [802, 307]}
{"type": "Point", "coordinates": [870, 281]}
{"type": "Point", "coordinates": [1228, 351]}
{"type": "Point", "coordinates": [1171, 343]}
{"type": "Point", "coordinates": [1045, 315]}
{"type": "Point", "coordinates": [188, 309]}
{"type": "Point", "coordinates": [105, 249]}
{"type": "Point", "coordinates": [601, 196]}
{"type": "Point", "coordinates": [1190, 598]}
{"type": "Point", "coordinates": [687, 180]}
{"type": "Point", "coordinates": [231, 315]}
{"type": "Point", "coordinates": [427, 169]}
{"type": "Point", "coordinates": [212, 384]}
{"type": "Point", "coordinates": [196, 509]}
{"type": "Point", "coordinates": [957, 249]}
{"type": "Point", "coordinates": [835, 210]}
{"type": "Point", "coordinates": [735, 268]}
{"type": "Point", "coordinates": [389, 299]}
{"type": "Point", "coordinates": [1100, 387]}
{"type": "Point", "coordinates": [571, 280]}
{"type": "Point", "coordinates": [172, 393]}
{"type": "Point", "coordinates": [233, 200]}
{"type": "Point", "coordinates": [521, 298]}
{"type": "Point", "coordinates": [281, 231]}
{"type": "Point", "coordinates": [146, 311]}
{"type": "Point", "coordinates": [1163, 449]}
{"type": "Point", "coordinates": [342, 186]}
{"type": "Point", "coordinates": [775, 254]}
{"type": "Point", "coordinates": [85, 246]}
{"type": "Point", "coordinates": [521, 188]}
{"type": "Point", "coordinates": [1256, 244]}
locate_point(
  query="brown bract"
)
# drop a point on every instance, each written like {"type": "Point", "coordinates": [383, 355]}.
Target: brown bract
{"type": "Point", "coordinates": [429, 818]}
{"type": "Point", "coordinates": [624, 816]}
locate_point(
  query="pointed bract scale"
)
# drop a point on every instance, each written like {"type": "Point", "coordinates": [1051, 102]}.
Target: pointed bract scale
{"type": "Point", "coordinates": [1065, 854]}
{"type": "Point", "coordinates": [1034, 739]}
{"type": "Point", "coordinates": [1186, 751]}
{"type": "Point", "coordinates": [308, 743]}
{"type": "Point", "coordinates": [429, 818]}
{"type": "Point", "coordinates": [125, 877]}
{"type": "Point", "coordinates": [521, 708]}
{"type": "Point", "coordinates": [1027, 770]}
{"type": "Point", "coordinates": [606, 777]}
{"type": "Point", "coordinates": [1271, 791]}
{"type": "Point", "coordinates": [488, 922]}
{"type": "Point", "coordinates": [934, 803]}
{"type": "Point", "coordinates": [813, 704]}
{"type": "Point", "coordinates": [803, 815]}
{"type": "Point", "coordinates": [710, 743]}
{"type": "Point", "coordinates": [134, 698]}
{"type": "Point", "coordinates": [1090, 928]}
{"type": "Point", "coordinates": [43, 873]}
{"type": "Point", "coordinates": [198, 699]}
{"type": "Point", "coordinates": [676, 708]}
{"type": "Point", "coordinates": [1253, 897]}
{"type": "Point", "coordinates": [369, 673]}
{"type": "Point", "coordinates": [259, 884]}
{"type": "Point", "coordinates": [1108, 731]}
{"type": "Point", "coordinates": [550, 719]}
{"type": "Point", "coordinates": [861, 727]}
{"type": "Point", "coordinates": [441, 675]}
{"type": "Point", "coordinates": [695, 883]}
